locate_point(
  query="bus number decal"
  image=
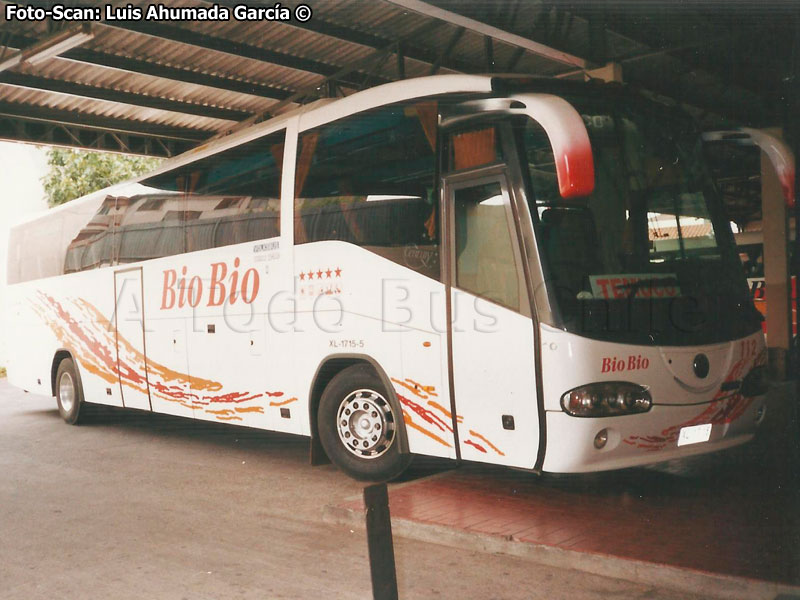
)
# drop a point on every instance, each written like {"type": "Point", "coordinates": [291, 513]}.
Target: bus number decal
{"type": "Point", "coordinates": [345, 343]}
{"type": "Point", "coordinates": [747, 348]}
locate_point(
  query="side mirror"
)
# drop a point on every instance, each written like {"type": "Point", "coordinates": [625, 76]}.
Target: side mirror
{"type": "Point", "coordinates": [779, 154]}
{"type": "Point", "coordinates": [569, 139]}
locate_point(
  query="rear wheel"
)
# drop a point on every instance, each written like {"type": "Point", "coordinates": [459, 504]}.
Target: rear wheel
{"type": "Point", "coordinates": [69, 393]}
{"type": "Point", "coordinates": [360, 428]}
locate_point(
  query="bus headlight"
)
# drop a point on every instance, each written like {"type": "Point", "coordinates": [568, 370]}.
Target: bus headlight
{"type": "Point", "coordinates": [607, 399]}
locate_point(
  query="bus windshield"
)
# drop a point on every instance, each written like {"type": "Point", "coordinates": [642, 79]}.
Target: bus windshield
{"type": "Point", "coordinates": [649, 256]}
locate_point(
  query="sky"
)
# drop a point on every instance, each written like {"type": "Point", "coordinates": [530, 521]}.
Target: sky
{"type": "Point", "coordinates": [22, 167]}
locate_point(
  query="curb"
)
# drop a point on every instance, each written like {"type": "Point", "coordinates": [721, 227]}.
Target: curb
{"type": "Point", "coordinates": [676, 578]}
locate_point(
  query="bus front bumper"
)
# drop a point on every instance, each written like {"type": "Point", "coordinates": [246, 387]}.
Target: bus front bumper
{"type": "Point", "coordinates": [647, 438]}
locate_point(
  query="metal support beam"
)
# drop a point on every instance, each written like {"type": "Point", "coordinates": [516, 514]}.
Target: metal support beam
{"type": "Point", "coordinates": [181, 35]}
{"type": "Point", "coordinates": [368, 63]}
{"type": "Point", "coordinates": [314, 91]}
{"type": "Point", "coordinates": [442, 58]}
{"type": "Point", "coordinates": [610, 72]}
{"type": "Point", "coordinates": [122, 63]}
{"type": "Point", "coordinates": [497, 34]}
{"type": "Point", "coordinates": [108, 124]}
{"type": "Point", "coordinates": [49, 47]}
{"type": "Point", "coordinates": [15, 129]}
{"type": "Point", "coordinates": [633, 57]}
{"type": "Point", "coordinates": [369, 40]}
{"type": "Point", "coordinates": [794, 115]}
{"type": "Point", "coordinates": [634, 26]}
{"type": "Point", "coordinates": [775, 229]}
{"type": "Point", "coordinates": [133, 65]}
{"type": "Point", "coordinates": [401, 61]}
{"type": "Point", "coordinates": [598, 42]}
{"type": "Point", "coordinates": [380, 60]}
{"type": "Point", "coordinates": [488, 46]}
{"type": "Point", "coordinates": [97, 93]}
{"type": "Point", "coordinates": [330, 89]}
{"type": "Point", "coordinates": [512, 62]}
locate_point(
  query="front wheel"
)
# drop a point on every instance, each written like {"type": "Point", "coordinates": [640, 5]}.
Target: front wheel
{"type": "Point", "coordinates": [359, 427]}
{"type": "Point", "coordinates": [69, 393]}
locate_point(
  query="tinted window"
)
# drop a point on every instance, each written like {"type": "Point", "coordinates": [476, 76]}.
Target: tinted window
{"type": "Point", "coordinates": [647, 257]}
{"type": "Point", "coordinates": [95, 244]}
{"type": "Point", "coordinates": [369, 180]}
{"type": "Point", "coordinates": [225, 199]}
{"type": "Point", "coordinates": [229, 198]}
{"type": "Point", "coordinates": [484, 249]}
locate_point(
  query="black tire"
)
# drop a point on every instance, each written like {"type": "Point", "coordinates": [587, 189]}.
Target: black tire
{"type": "Point", "coordinates": [71, 405]}
{"type": "Point", "coordinates": [359, 426]}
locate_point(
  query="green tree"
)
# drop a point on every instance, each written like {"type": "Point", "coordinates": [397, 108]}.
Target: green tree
{"type": "Point", "coordinates": [75, 173]}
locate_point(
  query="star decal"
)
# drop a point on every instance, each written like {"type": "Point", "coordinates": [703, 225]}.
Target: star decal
{"type": "Point", "coordinates": [328, 273]}
{"type": "Point", "coordinates": [319, 274]}
{"type": "Point", "coordinates": [311, 274]}
{"type": "Point", "coordinates": [338, 272]}
{"type": "Point", "coordinates": [302, 276]}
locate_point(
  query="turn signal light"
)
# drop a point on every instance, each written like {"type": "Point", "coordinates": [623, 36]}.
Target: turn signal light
{"type": "Point", "coordinates": [607, 399]}
{"type": "Point", "coordinates": [601, 439]}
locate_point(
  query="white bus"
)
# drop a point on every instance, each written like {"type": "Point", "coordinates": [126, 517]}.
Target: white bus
{"type": "Point", "coordinates": [518, 271]}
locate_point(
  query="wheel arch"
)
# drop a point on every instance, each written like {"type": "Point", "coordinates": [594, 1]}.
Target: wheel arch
{"type": "Point", "coordinates": [59, 356]}
{"type": "Point", "coordinates": [328, 368]}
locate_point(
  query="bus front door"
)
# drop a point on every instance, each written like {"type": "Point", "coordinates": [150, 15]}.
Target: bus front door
{"type": "Point", "coordinates": [129, 329]}
{"type": "Point", "coordinates": [491, 331]}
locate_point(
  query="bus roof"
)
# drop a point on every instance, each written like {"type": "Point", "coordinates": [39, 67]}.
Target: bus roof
{"type": "Point", "coordinates": [327, 110]}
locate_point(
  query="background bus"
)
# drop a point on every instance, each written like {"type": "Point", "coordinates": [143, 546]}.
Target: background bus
{"type": "Point", "coordinates": [751, 252]}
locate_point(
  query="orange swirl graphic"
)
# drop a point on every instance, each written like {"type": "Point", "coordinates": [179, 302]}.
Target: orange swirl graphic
{"type": "Point", "coordinates": [724, 408]}
{"type": "Point", "coordinates": [283, 402]}
{"type": "Point", "coordinates": [98, 348]}
{"type": "Point", "coordinates": [430, 423]}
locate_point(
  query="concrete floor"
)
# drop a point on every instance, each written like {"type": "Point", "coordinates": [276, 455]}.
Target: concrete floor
{"type": "Point", "coordinates": [717, 518]}
{"type": "Point", "coordinates": [134, 505]}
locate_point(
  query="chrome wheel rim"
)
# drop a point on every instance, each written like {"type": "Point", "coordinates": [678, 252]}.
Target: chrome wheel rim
{"type": "Point", "coordinates": [66, 392]}
{"type": "Point", "coordinates": [366, 424]}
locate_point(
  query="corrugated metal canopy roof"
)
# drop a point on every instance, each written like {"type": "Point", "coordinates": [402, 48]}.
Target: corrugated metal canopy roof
{"type": "Point", "coordinates": [162, 87]}
{"type": "Point", "coordinates": [177, 82]}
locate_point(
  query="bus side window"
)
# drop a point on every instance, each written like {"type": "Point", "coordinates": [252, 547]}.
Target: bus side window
{"type": "Point", "coordinates": [228, 198]}
{"type": "Point", "coordinates": [238, 196]}
{"type": "Point", "coordinates": [485, 263]}
{"type": "Point", "coordinates": [94, 246]}
{"type": "Point", "coordinates": [369, 180]}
